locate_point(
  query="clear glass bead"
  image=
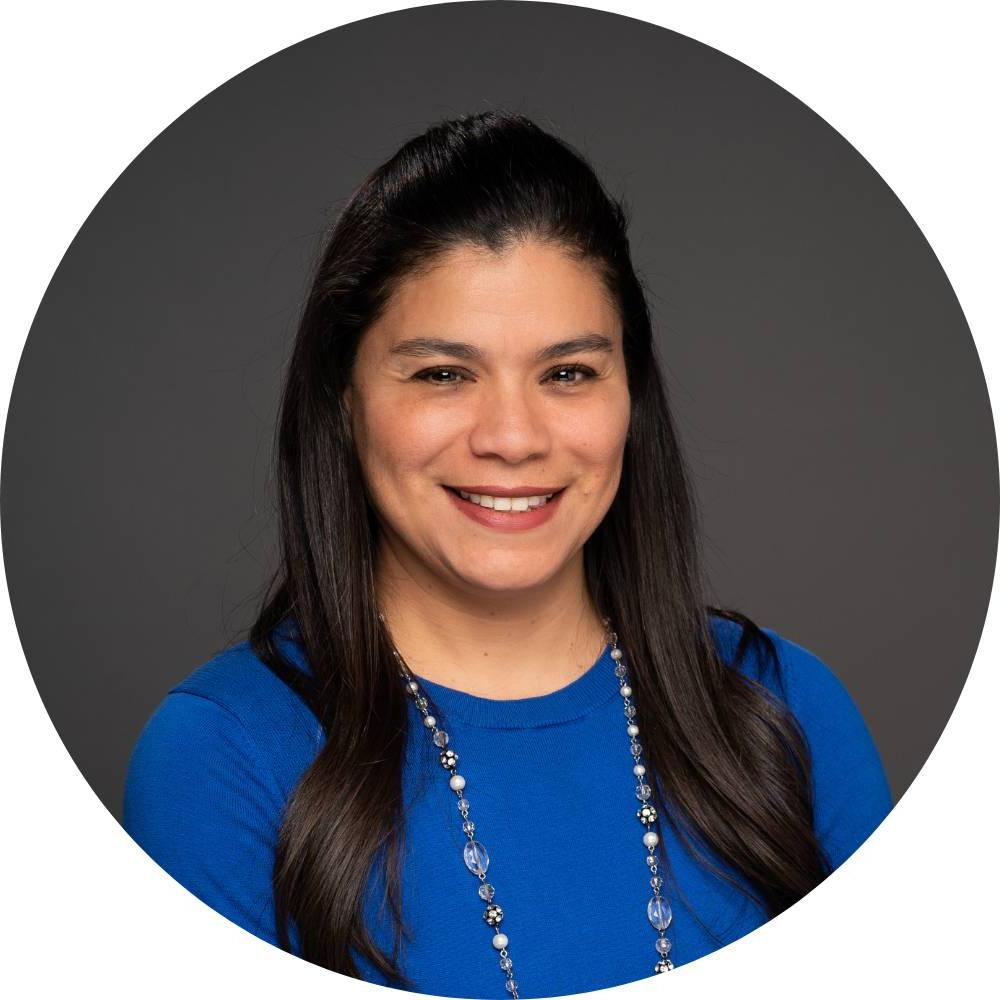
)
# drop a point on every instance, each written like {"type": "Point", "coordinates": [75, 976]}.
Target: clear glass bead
{"type": "Point", "coordinates": [463, 804]}
{"type": "Point", "coordinates": [468, 827]}
{"type": "Point", "coordinates": [636, 749]}
{"type": "Point", "coordinates": [506, 964]}
{"type": "Point", "coordinates": [663, 946]}
{"type": "Point", "coordinates": [630, 711]}
{"type": "Point", "coordinates": [620, 670]}
{"type": "Point", "coordinates": [477, 860]}
{"type": "Point", "coordinates": [659, 913]}
{"type": "Point", "coordinates": [656, 882]}
{"type": "Point", "coordinates": [486, 892]}
{"type": "Point", "coordinates": [643, 791]}
{"type": "Point", "coordinates": [440, 738]}
{"type": "Point", "coordinates": [511, 986]}
{"type": "Point", "coordinates": [421, 701]}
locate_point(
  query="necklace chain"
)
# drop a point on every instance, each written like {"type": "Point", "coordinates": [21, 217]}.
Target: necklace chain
{"type": "Point", "coordinates": [475, 855]}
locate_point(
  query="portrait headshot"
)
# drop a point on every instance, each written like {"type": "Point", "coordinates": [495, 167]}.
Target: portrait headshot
{"type": "Point", "coordinates": [545, 563]}
{"type": "Point", "coordinates": [488, 629]}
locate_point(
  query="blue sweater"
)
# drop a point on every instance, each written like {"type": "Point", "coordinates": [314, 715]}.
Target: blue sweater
{"type": "Point", "coordinates": [552, 794]}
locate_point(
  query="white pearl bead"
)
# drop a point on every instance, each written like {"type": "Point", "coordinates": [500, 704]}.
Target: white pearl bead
{"type": "Point", "coordinates": [616, 654]}
{"type": "Point", "coordinates": [650, 839]}
{"type": "Point", "coordinates": [457, 782]}
{"type": "Point", "coordinates": [430, 722]}
{"type": "Point", "coordinates": [638, 770]}
{"type": "Point", "coordinates": [499, 941]}
{"type": "Point", "coordinates": [633, 730]}
{"type": "Point", "coordinates": [625, 690]}
{"type": "Point", "coordinates": [413, 685]}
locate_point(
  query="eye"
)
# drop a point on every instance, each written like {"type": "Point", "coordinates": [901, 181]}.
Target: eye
{"type": "Point", "coordinates": [580, 369]}
{"type": "Point", "coordinates": [425, 376]}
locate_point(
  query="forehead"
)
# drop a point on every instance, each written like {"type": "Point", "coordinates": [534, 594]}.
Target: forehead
{"type": "Point", "coordinates": [530, 293]}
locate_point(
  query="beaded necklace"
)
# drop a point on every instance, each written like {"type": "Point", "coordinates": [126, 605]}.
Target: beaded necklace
{"type": "Point", "coordinates": [475, 855]}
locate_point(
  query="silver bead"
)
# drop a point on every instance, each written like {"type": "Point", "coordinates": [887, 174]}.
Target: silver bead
{"type": "Point", "coordinates": [493, 915]}
{"type": "Point", "coordinates": [449, 759]}
{"type": "Point", "coordinates": [664, 965]}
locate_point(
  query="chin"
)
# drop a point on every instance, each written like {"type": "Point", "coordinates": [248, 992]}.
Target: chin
{"type": "Point", "coordinates": [508, 580]}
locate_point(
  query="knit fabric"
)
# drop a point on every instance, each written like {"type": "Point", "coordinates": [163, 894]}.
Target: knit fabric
{"type": "Point", "coordinates": [552, 794]}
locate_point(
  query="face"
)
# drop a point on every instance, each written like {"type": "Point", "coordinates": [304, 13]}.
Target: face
{"type": "Point", "coordinates": [470, 379]}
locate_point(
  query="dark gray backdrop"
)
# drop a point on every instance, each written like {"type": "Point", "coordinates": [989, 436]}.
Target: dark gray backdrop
{"type": "Point", "coordinates": [827, 387]}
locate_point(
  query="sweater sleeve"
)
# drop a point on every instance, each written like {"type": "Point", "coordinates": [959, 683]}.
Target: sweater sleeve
{"type": "Point", "coordinates": [851, 792]}
{"type": "Point", "coordinates": [199, 803]}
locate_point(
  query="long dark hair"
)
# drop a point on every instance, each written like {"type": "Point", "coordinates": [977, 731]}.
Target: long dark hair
{"type": "Point", "coordinates": [730, 766]}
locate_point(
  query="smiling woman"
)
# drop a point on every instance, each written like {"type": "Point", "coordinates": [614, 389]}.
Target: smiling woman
{"type": "Point", "coordinates": [489, 626]}
{"type": "Point", "coordinates": [508, 446]}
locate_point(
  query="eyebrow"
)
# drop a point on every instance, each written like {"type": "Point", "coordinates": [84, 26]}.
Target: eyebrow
{"type": "Point", "coordinates": [422, 347]}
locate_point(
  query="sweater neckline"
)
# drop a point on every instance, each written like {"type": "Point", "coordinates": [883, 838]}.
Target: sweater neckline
{"type": "Point", "coordinates": [596, 686]}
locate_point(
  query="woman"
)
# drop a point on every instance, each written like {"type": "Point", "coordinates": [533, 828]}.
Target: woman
{"type": "Point", "coordinates": [485, 731]}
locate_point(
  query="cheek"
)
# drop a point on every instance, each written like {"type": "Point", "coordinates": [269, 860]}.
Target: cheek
{"type": "Point", "coordinates": [597, 437]}
{"type": "Point", "coordinates": [401, 440]}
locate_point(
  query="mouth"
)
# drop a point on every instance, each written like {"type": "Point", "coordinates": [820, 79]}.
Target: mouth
{"type": "Point", "coordinates": [512, 504]}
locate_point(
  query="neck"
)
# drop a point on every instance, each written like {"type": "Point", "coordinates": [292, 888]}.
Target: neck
{"type": "Point", "coordinates": [500, 645]}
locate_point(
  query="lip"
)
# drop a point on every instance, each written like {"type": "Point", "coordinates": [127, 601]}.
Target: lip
{"type": "Point", "coordinates": [505, 520]}
{"type": "Point", "coordinates": [509, 491]}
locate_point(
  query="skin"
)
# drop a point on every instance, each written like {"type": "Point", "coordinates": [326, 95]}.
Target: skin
{"type": "Point", "coordinates": [497, 614]}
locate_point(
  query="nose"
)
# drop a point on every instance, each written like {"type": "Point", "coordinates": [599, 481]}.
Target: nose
{"type": "Point", "coordinates": [509, 423]}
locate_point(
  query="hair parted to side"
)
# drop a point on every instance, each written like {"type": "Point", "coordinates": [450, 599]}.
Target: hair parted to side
{"type": "Point", "coordinates": [730, 767]}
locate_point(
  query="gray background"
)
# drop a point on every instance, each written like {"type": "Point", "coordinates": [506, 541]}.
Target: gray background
{"type": "Point", "coordinates": [826, 384]}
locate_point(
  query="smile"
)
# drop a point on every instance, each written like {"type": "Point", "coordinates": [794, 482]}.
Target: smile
{"type": "Point", "coordinates": [510, 513]}
{"type": "Point", "coordinates": [506, 503]}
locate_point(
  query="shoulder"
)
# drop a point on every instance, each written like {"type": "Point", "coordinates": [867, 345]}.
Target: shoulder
{"type": "Point", "coordinates": [850, 790]}
{"type": "Point", "coordinates": [240, 683]}
{"type": "Point", "coordinates": [794, 673]}
{"type": "Point", "coordinates": [209, 777]}
{"type": "Point", "coordinates": [230, 714]}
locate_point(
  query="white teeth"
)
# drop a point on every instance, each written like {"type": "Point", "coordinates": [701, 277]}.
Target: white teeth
{"type": "Point", "coordinates": [507, 503]}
